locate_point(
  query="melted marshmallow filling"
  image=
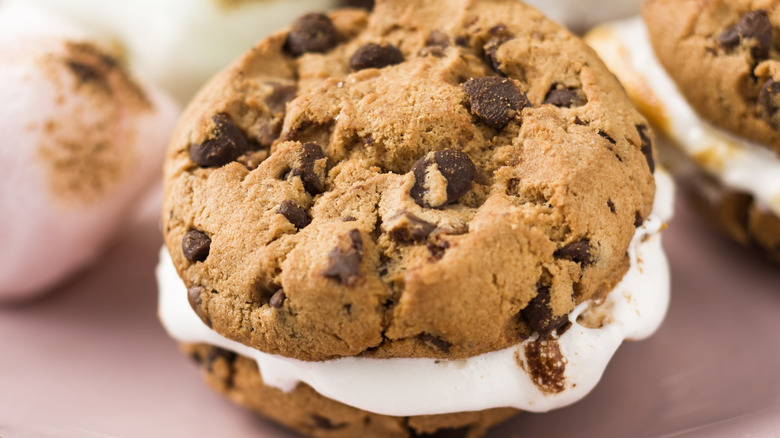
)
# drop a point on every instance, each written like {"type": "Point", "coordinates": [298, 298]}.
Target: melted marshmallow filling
{"type": "Point", "coordinates": [735, 162]}
{"type": "Point", "coordinates": [533, 376]}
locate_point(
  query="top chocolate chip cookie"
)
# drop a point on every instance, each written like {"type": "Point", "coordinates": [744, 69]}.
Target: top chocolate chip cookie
{"type": "Point", "coordinates": [724, 56]}
{"type": "Point", "coordinates": [436, 179]}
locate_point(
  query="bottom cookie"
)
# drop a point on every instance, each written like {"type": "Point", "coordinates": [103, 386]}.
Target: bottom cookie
{"type": "Point", "coordinates": [307, 412]}
{"type": "Point", "coordinates": [734, 212]}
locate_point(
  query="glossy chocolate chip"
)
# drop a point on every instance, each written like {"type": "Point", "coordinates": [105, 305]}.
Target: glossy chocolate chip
{"type": "Point", "coordinates": [647, 146]}
{"type": "Point", "coordinates": [294, 213]}
{"type": "Point", "coordinates": [579, 252]}
{"type": "Point", "coordinates": [769, 102]}
{"type": "Point", "coordinates": [281, 93]}
{"type": "Point", "coordinates": [196, 245]}
{"type": "Point", "coordinates": [277, 299]}
{"type": "Point", "coordinates": [538, 313]}
{"type": "Point", "coordinates": [495, 100]}
{"type": "Point", "coordinates": [753, 26]}
{"type": "Point", "coordinates": [411, 228]}
{"type": "Point", "coordinates": [194, 297]}
{"type": "Point", "coordinates": [225, 144]}
{"type": "Point", "coordinates": [498, 36]}
{"type": "Point", "coordinates": [436, 342]}
{"type": "Point", "coordinates": [638, 220]}
{"type": "Point", "coordinates": [565, 97]}
{"type": "Point", "coordinates": [311, 33]}
{"type": "Point", "coordinates": [457, 169]}
{"type": "Point", "coordinates": [305, 168]}
{"type": "Point", "coordinates": [375, 56]}
{"type": "Point", "coordinates": [344, 264]}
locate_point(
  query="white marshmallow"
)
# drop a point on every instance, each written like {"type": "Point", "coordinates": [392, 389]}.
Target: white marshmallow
{"type": "Point", "coordinates": [81, 141]}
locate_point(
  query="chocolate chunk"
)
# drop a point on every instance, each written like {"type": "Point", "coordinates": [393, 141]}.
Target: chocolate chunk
{"type": "Point", "coordinates": [769, 102]}
{"type": "Point", "coordinates": [456, 168]}
{"type": "Point", "coordinates": [611, 205]}
{"type": "Point", "coordinates": [411, 228]}
{"type": "Point", "coordinates": [607, 137]}
{"type": "Point", "coordinates": [312, 182]}
{"type": "Point", "coordinates": [193, 296]}
{"type": "Point", "coordinates": [437, 249]}
{"type": "Point", "coordinates": [375, 56]}
{"type": "Point", "coordinates": [281, 94]}
{"type": "Point", "coordinates": [647, 146]}
{"type": "Point", "coordinates": [495, 100]}
{"type": "Point", "coordinates": [325, 423]}
{"type": "Point", "coordinates": [294, 213]}
{"type": "Point", "coordinates": [311, 33]}
{"type": "Point", "coordinates": [546, 365]}
{"type": "Point", "coordinates": [196, 245]}
{"type": "Point", "coordinates": [638, 220]}
{"type": "Point", "coordinates": [565, 97]}
{"type": "Point", "coordinates": [578, 252]}
{"type": "Point", "coordinates": [538, 313]}
{"type": "Point", "coordinates": [277, 299]}
{"type": "Point", "coordinates": [499, 35]}
{"type": "Point", "coordinates": [344, 264]}
{"type": "Point", "coordinates": [216, 353]}
{"type": "Point", "coordinates": [435, 341]}
{"type": "Point", "coordinates": [226, 143]}
{"type": "Point", "coordinates": [755, 26]}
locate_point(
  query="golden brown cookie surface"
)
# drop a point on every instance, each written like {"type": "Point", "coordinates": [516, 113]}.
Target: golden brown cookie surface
{"type": "Point", "coordinates": [438, 179]}
{"type": "Point", "coordinates": [724, 56]}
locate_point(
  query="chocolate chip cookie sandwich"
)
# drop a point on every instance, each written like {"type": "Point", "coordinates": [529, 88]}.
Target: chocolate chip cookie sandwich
{"type": "Point", "coordinates": [707, 75]}
{"type": "Point", "coordinates": [429, 217]}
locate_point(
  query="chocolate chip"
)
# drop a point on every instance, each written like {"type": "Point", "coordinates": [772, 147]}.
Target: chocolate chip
{"type": "Point", "coordinates": [437, 249]}
{"type": "Point", "coordinates": [769, 102]}
{"type": "Point", "coordinates": [410, 228]}
{"type": "Point", "coordinates": [647, 146]}
{"type": "Point", "coordinates": [499, 35]}
{"type": "Point", "coordinates": [193, 296]}
{"type": "Point", "coordinates": [294, 213]}
{"type": "Point", "coordinates": [196, 245]}
{"type": "Point", "coordinates": [281, 93]}
{"type": "Point", "coordinates": [457, 169]}
{"type": "Point", "coordinates": [311, 33]}
{"type": "Point", "coordinates": [216, 353]}
{"type": "Point", "coordinates": [375, 56]}
{"type": "Point", "coordinates": [611, 205]}
{"type": "Point", "coordinates": [325, 423]}
{"type": "Point", "coordinates": [607, 137]}
{"type": "Point", "coordinates": [565, 97]}
{"type": "Point", "coordinates": [495, 100]}
{"type": "Point", "coordinates": [579, 252]}
{"type": "Point", "coordinates": [312, 181]}
{"type": "Point", "coordinates": [638, 220]}
{"type": "Point", "coordinates": [344, 264]}
{"type": "Point", "coordinates": [538, 313]}
{"type": "Point", "coordinates": [226, 143]}
{"type": "Point", "coordinates": [755, 26]}
{"type": "Point", "coordinates": [277, 299]}
{"type": "Point", "coordinates": [435, 341]}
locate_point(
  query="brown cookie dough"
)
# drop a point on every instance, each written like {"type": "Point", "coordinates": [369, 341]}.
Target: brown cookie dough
{"type": "Point", "coordinates": [437, 179]}
{"type": "Point", "coordinates": [735, 213]}
{"type": "Point", "coordinates": [724, 56]}
{"type": "Point", "coordinates": [306, 411]}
